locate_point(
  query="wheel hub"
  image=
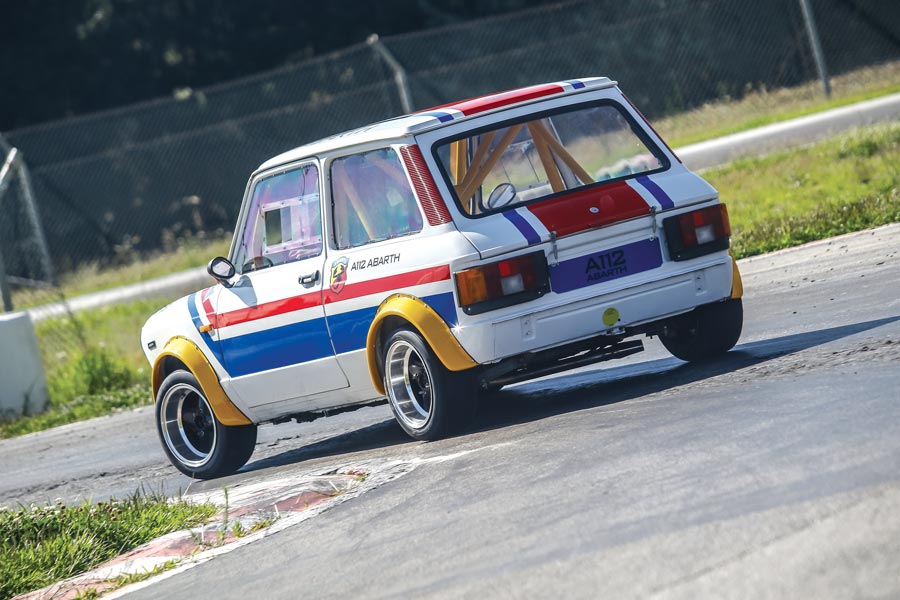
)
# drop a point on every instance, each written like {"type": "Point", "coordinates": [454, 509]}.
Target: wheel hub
{"type": "Point", "coordinates": [188, 425]}
{"type": "Point", "coordinates": [408, 384]}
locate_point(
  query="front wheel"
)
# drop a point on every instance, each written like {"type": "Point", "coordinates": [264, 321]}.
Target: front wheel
{"type": "Point", "coordinates": [705, 332]}
{"type": "Point", "coordinates": [193, 439]}
{"type": "Point", "coordinates": [429, 401]}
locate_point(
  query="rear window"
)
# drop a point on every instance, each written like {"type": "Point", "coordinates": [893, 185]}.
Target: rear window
{"type": "Point", "coordinates": [524, 161]}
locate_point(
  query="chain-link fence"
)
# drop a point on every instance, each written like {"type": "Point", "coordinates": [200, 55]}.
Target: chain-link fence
{"type": "Point", "coordinates": [116, 186]}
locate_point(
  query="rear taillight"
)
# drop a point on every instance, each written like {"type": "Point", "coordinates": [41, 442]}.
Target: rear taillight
{"type": "Point", "coordinates": [502, 283]}
{"type": "Point", "coordinates": [696, 233]}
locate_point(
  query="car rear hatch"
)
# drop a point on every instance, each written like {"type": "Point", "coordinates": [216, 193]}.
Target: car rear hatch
{"type": "Point", "coordinates": [588, 181]}
{"type": "Point", "coordinates": [596, 234]}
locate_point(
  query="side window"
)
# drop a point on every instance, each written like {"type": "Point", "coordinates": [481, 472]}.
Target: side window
{"type": "Point", "coordinates": [372, 199]}
{"type": "Point", "coordinates": [284, 220]}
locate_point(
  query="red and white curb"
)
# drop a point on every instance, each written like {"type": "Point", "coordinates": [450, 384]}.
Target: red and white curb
{"type": "Point", "coordinates": [276, 504]}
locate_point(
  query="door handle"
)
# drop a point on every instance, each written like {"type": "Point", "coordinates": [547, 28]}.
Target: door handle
{"type": "Point", "coordinates": [309, 279]}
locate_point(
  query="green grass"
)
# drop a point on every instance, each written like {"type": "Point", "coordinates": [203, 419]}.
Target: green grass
{"type": "Point", "coordinates": [843, 184]}
{"type": "Point", "coordinates": [93, 277]}
{"type": "Point", "coordinates": [116, 328]}
{"type": "Point", "coordinates": [94, 365]}
{"type": "Point", "coordinates": [127, 579]}
{"type": "Point", "coordinates": [40, 545]}
{"type": "Point", "coordinates": [759, 108]}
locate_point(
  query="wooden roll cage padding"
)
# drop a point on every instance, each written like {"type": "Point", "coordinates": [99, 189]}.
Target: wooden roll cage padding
{"type": "Point", "coordinates": [470, 178]}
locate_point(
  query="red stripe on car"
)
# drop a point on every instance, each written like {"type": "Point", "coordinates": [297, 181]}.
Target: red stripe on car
{"type": "Point", "coordinates": [314, 299]}
{"type": "Point", "coordinates": [388, 284]}
{"type": "Point", "coordinates": [590, 207]}
{"type": "Point", "coordinates": [211, 315]}
{"type": "Point", "coordinates": [484, 103]}
{"type": "Point", "coordinates": [269, 309]}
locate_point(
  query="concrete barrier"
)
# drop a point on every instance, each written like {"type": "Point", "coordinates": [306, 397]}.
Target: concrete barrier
{"type": "Point", "coordinates": [23, 386]}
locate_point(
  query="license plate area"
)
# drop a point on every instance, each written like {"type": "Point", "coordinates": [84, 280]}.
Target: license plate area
{"type": "Point", "coordinates": [606, 265]}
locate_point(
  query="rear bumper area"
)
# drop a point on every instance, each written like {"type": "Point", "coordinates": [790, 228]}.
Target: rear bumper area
{"type": "Point", "coordinates": [510, 335]}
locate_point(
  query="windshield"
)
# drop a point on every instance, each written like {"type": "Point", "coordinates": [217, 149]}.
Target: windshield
{"type": "Point", "coordinates": [526, 161]}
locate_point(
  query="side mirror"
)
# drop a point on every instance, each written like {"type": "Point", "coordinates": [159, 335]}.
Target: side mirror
{"type": "Point", "coordinates": [221, 270]}
{"type": "Point", "coordinates": [502, 195]}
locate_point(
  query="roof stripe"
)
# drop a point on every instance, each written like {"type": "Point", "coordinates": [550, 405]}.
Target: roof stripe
{"type": "Point", "coordinates": [480, 104]}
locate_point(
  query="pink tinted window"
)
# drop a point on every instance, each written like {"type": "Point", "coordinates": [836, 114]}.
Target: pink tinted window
{"type": "Point", "coordinates": [372, 199]}
{"type": "Point", "coordinates": [284, 220]}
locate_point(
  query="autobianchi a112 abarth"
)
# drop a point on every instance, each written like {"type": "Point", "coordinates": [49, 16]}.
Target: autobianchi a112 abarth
{"type": "Point", "coordinates": [439, 254]}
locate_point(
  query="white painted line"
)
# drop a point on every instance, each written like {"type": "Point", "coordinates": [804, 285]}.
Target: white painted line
{"type": "Point", "coordinates": [785, 134]}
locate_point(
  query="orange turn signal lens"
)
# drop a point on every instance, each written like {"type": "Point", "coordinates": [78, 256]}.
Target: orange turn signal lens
{"type": "Point", "coordinates": [472, 286]}
{"type": "Point", "coordinates": [503, 283]}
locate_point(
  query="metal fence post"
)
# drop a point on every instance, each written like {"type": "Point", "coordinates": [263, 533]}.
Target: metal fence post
{"type": "Point", "coordinates": [14, 166]}
{"type": "Point", "coordinates": [6, 173]}
{"type": "Point", "coordinates": [4, 287]}
{"type": "Point", "coordinates": [816, 45]}
{"type": "Point", "coordinates": [397, 68]}
{"type": "Point", "coordinates": [37, 230]}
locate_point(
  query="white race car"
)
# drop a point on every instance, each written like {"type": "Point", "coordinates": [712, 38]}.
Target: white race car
{"type": "Point", "coordinates": [431, 256]}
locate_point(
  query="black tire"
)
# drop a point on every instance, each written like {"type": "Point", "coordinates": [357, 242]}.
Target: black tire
{"type": "Point", "coordinates": [428, 401]}
{"type": "Point", "coordinates": [705, 332]}
{"type": "Point", "coordinates": [192, 437]}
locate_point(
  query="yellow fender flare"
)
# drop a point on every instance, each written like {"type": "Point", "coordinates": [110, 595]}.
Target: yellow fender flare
{"type": "Point", "coordinates": [428, 323]}
{"type": "Point", "coordinates": [737, 284]}
{"type": "Point", "coordinates": [187, 352]}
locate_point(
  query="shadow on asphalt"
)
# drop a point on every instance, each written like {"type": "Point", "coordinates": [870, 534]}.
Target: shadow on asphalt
{"type": "Point", "coordinates": [578, 391]}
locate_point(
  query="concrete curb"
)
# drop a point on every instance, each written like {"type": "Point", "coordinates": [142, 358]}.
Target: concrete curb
{"type": "Point", "coordinates": [275, 505]}
{"type": "Point", "coordinates": [703, 155]}
{"type": "Point", "coordinates": [288, 500]}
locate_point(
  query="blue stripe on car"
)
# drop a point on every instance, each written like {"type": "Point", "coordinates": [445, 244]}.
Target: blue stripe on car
{"type": "Point", "coordinates": [661, 196]}
{"type": "Point", "coordinates": [523, 226]}
{"type": "Point", "coordinates": [306, 341]}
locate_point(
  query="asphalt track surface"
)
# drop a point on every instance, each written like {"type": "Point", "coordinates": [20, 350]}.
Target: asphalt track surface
{"type": "Point", "coordinates": [771, 472]}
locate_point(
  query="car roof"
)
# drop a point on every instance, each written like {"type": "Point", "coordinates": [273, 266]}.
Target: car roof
{"type": "Point", "coordinates": [438, 116]}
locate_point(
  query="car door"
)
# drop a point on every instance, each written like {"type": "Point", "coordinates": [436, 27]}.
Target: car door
{"type": "Point", "coordinates": [270, 324]}
{"type": "Point", "coordinates": [375, 219]}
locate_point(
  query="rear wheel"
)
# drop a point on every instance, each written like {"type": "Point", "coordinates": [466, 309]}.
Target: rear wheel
{"type": "Point", "coordinates": [429, 401]}
{"type": "Point", "coordinates": [192, 438]}
{"type": "Point", "coordinates": [705, 332]}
